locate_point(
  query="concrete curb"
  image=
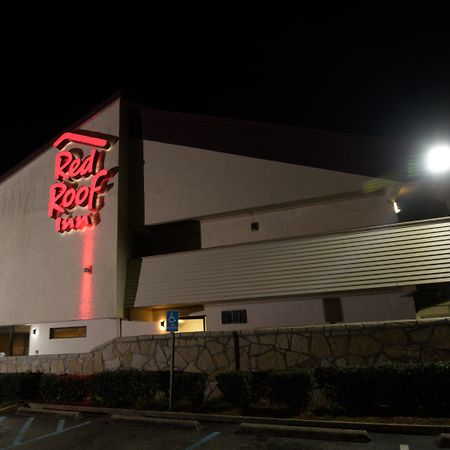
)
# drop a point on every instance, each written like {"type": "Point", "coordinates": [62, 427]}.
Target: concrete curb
{"type": "Point", "coordinates": [222, 418]}
{"type": "Point", "coordinates": [24, 411]}
{"type": "Point", "coordinates": [11, 408]}
{"type": "Point", "coordinates": [158, 422]}
{"type": "Point", "coordinates": [289, 431]}
{"type": "Point", "coordinates": [443, 440]}
{"type": "Point", "coordinates": [380, 427]}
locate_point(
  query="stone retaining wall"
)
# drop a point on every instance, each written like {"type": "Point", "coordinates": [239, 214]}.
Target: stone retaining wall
{"type": "Point", "coordinates": [314, 346]}
{"type": "Point", "coordinates": [74, 363]}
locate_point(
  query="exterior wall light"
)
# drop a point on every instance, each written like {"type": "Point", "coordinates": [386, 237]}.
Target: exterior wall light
{"type": "Point", "coordinates": [396, 207]}
{"type": "Point", "coordinates": [162, 325]}
{"type": "Point", "coordinates": [438, 159]}
{"type": "Point", "coordinates": [87, 269]}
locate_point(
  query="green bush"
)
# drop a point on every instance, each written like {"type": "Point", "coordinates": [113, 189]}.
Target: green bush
{"type": "Point", "coordinates": [420, 389]}
{"type": "Point", "coordinates": [286, 387]}
{"type": "Point", "coordinates": [261, 386]}
{"type": "Point", "coordinates": [235, 387]}
{"type": "Point", "coordinates": [431, 387]}
{"type": "Point", "coordinates": [120, 388]}
{"type": "Point", "coordinates": [65, 388]}
{"type": "Point", "coordinates": [188, 387]}
{"type": "Point", "coordinates": [291, 387]}
{"type": "Point", "coordinates": [124, 388]}
{"type": "Point", "coordinates": [359, 390]}
{"type": "Point", "coordinates": [19, 387]}
{"type": "Point", "coordinates": [138, 388]}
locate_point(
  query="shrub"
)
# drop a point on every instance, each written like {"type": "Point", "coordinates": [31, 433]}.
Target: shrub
{"type": "Point", "coordinates": [419, 389]}
{"type": "Point", "coordinates": [261, 385]}
{"type": "Point", "coordinates": [325, 385]}
{"type": "Point", "coordinates": [235, 387]}
{"type": "Point", "coordinates": [19, 387]}
{"type": "Point", "coordinates": [360, 390]}
{"type": "Point", "coordinates": [64, 388]}
{"type": "Point", "coordinates": [393, 389]}
{"type": "Point", "coordinates": [291, 387]}
{"type": "Point", "coordinates": [124, 388]}
{"type": "Point", "coordinates": [188, 387]}
{"type": "Point", "coordinates": [286, 387]}
{"type": "Point", "coordinates": [120, 388]}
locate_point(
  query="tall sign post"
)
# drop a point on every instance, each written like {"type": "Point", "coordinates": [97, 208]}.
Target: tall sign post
{"type": "Point", "coordinates": [172, 317]}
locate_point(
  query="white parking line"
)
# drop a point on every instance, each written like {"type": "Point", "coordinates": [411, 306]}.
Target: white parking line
{"type": "Point", "coordinates": [404, 447]}
{"type": "Point", "coordinates": [60, 426]}
{"type": "Point", "coordinates": [23, 430]}
{"type": "Point", "coordinates": [203, 440]}
{"type": "Point", "coordinates": [45, 436]}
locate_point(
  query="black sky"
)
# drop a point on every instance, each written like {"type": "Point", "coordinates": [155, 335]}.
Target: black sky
{"type": "Point", "coordinates": [336, 72]}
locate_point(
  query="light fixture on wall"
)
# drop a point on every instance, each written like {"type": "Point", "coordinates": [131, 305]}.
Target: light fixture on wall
{"type": "Point", "coordinates": [254, 225]}
{"type": "Point", "coordinates": [162, 324]}
{"type": "Point", "coordinates": [87, 269]}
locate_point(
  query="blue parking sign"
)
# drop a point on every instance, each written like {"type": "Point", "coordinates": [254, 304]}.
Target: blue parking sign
{"type": "Point", "coordinates": [172, 320]}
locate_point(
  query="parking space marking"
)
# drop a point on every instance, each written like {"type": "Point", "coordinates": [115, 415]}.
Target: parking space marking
{"type": "Point", "coordinates": [203, 440]}
{"type": "Point", "coordinates": [55, 433]}
{"type": "Point", "coordinates": [2, 418]}
{"type": "Point", "coordinates": [60, 426]}
{"type": "Point", "coordinates": [23, 430]}
{"type": "Point", "coordinates": [404, 447]}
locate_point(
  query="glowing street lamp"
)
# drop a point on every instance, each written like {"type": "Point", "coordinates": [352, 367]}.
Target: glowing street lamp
{"type": "Point", "coordinates": [438, 159]}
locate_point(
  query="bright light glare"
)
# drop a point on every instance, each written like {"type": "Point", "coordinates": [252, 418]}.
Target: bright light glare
{"type": "Point", "coordinates": [438, 159]}
{"type": "Point", "coordinates": [396, 208]}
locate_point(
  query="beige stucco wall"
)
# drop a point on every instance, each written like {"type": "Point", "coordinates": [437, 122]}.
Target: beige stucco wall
{"type": "Point", "coordinates": [42, 270]}
{"type": "Point", "coordinates": [183, 183]}
{"type": "Point", "coordinates": [384, 305]}
{"type": "Point", "coordinates": [97, 332]}
{"type": "Point", "coordinates": [138, 328]}
{"type": "Point", "coordinates": [307, 219]}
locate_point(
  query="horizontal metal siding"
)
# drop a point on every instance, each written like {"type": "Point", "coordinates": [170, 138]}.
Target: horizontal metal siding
{"type": "Point", "coordinates": [401, 254]}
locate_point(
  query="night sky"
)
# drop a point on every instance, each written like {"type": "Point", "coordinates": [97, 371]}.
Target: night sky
{"type": "Point", "coordinates": [336, 73]}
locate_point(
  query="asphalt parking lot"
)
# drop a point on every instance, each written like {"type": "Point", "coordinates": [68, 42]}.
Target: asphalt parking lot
{"type": "Point", "coordinates": [99, 432]}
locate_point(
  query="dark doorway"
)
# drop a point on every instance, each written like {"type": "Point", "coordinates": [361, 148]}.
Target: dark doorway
{"type": "Point", "coordinates": [15, 340]}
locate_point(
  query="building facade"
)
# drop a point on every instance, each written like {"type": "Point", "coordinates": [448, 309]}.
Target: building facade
{"type": "Point", "coordinates": [237, 225]}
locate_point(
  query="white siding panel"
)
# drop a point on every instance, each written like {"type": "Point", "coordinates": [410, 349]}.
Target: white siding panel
{"type": "Point", "coordinates": [395, 255]}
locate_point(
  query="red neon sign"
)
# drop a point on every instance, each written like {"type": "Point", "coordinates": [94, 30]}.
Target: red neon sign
{"type": "Point", "coordinates": [80, 182]}
{"type": "Point", "coordinates": [65, 138]}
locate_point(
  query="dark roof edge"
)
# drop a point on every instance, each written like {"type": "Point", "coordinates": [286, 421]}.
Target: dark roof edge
{"type": "Point", "coordinates": [290, 135]}
{"type": "Point", "coordinates": [83, 119]}
{"type": "Point", "coordinates": [332, 150]}
{"type": "Point", "coordinates": [272, 125]}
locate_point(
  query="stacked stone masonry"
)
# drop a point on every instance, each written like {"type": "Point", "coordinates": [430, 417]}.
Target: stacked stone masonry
{"type": "Point", "coordinates": [314, 346]}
